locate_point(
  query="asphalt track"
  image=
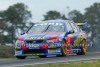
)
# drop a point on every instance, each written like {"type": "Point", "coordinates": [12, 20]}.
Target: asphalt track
{"type": "Point", "coordinates": [53, 59]}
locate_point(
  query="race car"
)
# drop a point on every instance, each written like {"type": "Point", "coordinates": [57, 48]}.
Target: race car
{"type": "Point", "coordinates": [52, 38]}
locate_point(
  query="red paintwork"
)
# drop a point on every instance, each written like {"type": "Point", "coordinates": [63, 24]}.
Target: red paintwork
{"type": "Point", "coordinates": [54, 32]}
{"type": "Point", "coordinates": [79, 47]}
{"type": "Point", "coordinates": [73, 35]}
{"type": "Point", "coordinates": [34, 33]}
{"type": "Point", "coordinates": [44, 45]}
{"type": "Point", "coordinates": [24, 46]}
{"type": "Point", "coordinates": [85, 34]}
{"type": "Point", "coordinates": [68, 41]}
{"type": "Point", "coordinates": [54, 37]}
{"type": "Point", "coordinates": [68, 51]}
{"type": "Point", "coordinates": [20, 38]}
{"type": "Point", "coordinates": [45, 32]}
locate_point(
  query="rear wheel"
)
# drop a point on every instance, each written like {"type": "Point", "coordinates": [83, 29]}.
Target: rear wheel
{"type": "Point", "coordinates": [42, 56]}
{"type": "Point", "coordinates": [20, 57]}
{"type": "Point", "coordinates": [64, 49]}
{"type": "Point", "coordinates": [83, 48]}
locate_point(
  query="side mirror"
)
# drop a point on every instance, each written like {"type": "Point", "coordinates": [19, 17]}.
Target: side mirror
{"type": "Point", "coordinates": [70, 31]}
{"type": "Point", "coordinates": [22, 33]}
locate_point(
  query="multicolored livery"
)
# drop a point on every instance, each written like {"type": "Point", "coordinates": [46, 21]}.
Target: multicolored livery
{"type": "Point", "coordinates": [52, 38]}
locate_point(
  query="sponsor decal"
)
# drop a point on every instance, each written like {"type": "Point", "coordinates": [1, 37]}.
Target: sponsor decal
{"type": "Point", "coordinates": [54, 45]}
{"type": "Point", "coordinates": [27, 54]}
{"type": "Point", "coordinates": [78, 39]}
{"type": "Point", "coordinates": [56, 50]}
{"type": "Point", "coordinates": [31, 38]}
{"type": "Point", "coordinates": [18, 52]}
{"type": "Point", "coordinates": [17, 47]}
{"type": "Point", "coordinates": [34, 45]}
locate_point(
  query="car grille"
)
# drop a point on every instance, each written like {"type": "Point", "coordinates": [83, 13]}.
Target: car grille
{"type": "Point", "coordinates": [34, 51]}
{"type": "Point", "coordinates": [35, 41]}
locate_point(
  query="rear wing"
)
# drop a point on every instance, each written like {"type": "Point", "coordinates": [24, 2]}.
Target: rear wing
{"type": "Point", "coordinates": [82, 25]}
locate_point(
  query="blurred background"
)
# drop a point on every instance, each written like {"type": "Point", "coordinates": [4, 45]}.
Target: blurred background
{"type": "Point", "coordinates": [17, 16]}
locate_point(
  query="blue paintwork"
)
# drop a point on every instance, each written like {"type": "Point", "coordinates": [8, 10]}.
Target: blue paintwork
{"type": "Point", "coordinates": [46, 36]}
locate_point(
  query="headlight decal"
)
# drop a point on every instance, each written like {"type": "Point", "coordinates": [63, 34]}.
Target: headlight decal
{"type": "Point", "coordinates": [52, 41]}
{"type": "Point", "coordinates": [54, 37]}
{"type": "Point", "coordinates": [20, 43]}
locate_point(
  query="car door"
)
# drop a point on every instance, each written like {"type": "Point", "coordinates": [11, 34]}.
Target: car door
{"type": "Point", "coordinates": [69, 37]}
{"type": "Point", "coordinates": [77, 36]}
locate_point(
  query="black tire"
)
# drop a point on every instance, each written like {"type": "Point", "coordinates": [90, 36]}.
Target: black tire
{"type": "Point", "coordinates": [20, 57]}
{"type": "Point", "coordinates": [42, 56]}
{"type": "Point", "coordinates": [64, 49]}
{"type": "Point", "coordinates": [82, 52]}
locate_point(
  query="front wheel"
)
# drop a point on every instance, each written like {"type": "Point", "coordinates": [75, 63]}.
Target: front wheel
{"type": "Point", "coordinates": [20, 57]}
{"type": "Point", "coordinates": [64, 49]}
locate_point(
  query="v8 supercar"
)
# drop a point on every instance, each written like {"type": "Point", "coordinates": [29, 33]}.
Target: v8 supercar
{"type": "Point", "coordinates": [52, 38]}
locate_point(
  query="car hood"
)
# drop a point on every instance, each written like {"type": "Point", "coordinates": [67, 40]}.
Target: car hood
{"type": "Point", "coordinates": [38, 36]}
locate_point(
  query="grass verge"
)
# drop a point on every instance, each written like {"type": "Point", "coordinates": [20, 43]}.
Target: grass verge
{"type": "Point", "coordinates": [87, 63]}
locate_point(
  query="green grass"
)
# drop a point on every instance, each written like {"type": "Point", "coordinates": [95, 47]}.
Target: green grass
{"type": "Point", "coordinates": [88, 63]}
{"type": "Point", "coordinates": [6, 58]}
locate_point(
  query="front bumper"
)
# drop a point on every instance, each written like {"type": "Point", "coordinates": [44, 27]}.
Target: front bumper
{"type": "Point", "coordinates": [50, 50]}
{"type": "Point", "coordinates": [36, 52]}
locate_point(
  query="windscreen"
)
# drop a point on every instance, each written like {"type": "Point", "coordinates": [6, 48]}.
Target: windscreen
{"type": "Point", "coordinates": [47, 28]}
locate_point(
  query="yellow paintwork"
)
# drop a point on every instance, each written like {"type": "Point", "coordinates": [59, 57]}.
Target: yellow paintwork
{"type": "Point", "coordinates": [79, 23]}
{"type": "Point", "coordinates": [18, 51]}
{"type": "Point", "coordinates": [34, 38]}
{"type": "Point", "coordinates": [51, 46]}
{"type": "Point", "coordinates": [78, 39]}
{"type": "Point", "coordinates": [17, 47]}
{"type": "Point", "coordinates": [54, 50]}
{"type": "Point", "coordinates": [84, 46]}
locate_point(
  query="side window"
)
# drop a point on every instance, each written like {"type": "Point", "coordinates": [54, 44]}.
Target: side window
{"type": "Point", "coordinates": [74, 27]}
{"type": "Point", "coordinates": [77, 27]}
{"type": "Point", "coordinates": [69, 27]}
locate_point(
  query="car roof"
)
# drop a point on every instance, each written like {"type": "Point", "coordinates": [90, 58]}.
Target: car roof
{"type": "Point", "coordinates": [55, 21]}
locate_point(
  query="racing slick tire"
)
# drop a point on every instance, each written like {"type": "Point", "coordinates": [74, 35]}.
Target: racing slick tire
{"type": "Point", "coordinates": [64, 49]}
{"type": "Point", "coordinates": [83, 48]}
{"type": "Point", "coordinates": [20, 57]}
{"type": "Point", "coordinates": [42, 56]}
